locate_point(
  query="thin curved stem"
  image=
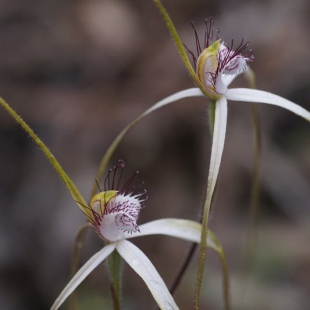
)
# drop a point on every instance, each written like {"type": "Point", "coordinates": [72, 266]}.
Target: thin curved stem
{"type": "Point", "coordinates": [191, 92]}
{"type": "Point", "coordinates": [255, 190]}
{"type": "Point", "coordinates": [181, 272]}
{"type": "Point", "coordinates": [226, 285]}
{"type": "Point", "coordinates": [252, 233]}
{"type": "Point", "coordinates": [176, 282]}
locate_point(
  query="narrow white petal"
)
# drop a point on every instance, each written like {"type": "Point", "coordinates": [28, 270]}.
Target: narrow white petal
{"type": "Point", "coordinates": [183, 229]}
{"type": "Point", "coordinates": [191, 92]}
{"type": "Point", "coordinates": [146, 270]}
{"type": "Point", "coordinates": [91, 264]}
{"type": "Point", "coordinates": [217, 143]}
{"type": "Point", "coordinates": [253, 95]}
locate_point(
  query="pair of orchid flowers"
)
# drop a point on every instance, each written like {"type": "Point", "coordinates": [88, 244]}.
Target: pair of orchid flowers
{"type": "Point", "coordinates": [114, 212]}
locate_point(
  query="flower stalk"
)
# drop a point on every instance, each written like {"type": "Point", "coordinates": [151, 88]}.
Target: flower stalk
{"type": "Point", "coordinates": [115, 271]}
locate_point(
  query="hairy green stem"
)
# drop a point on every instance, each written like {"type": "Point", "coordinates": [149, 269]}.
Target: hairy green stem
{"type": "Point", "coordinates": [115, 271]}
{"type": "Point", "coordinates": [205, 219]}
{"type": "Point", "coordinates": [180, 47]}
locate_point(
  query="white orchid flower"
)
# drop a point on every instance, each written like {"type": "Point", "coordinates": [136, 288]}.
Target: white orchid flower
{"type": "Point", "coordinates": [113, 214]}
{"type": "Point", "coordinates": [216, 66]}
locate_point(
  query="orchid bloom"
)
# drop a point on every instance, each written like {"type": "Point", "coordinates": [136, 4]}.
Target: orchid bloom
{"type": "Point", "coordinates": [113, 213]}
{"type": "Point", "coordinates": [217, 64]}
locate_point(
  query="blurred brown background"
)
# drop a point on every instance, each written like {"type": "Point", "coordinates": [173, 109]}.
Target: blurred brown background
{"type": "Point", "coordinates": [78, 72]}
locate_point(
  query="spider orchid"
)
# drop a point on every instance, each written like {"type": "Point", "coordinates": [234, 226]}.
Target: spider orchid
{"type": "Point", "coordinates": [113, 213]}
{"type": "Point", "coordinates": [217, 64]}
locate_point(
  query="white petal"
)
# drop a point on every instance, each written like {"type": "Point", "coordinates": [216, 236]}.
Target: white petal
{"type": "Point", "coordinates": [82, 274]}
{"type": "Point", "coordinates": [253, 95]}
{"type": "Point", "coordinates": [217, 143]}
{"type": "Point", "coordinates": [219, 132]}
{"type": "Point", "coordinates": [191, 92]}
{"type": "Point", "coordinates": [145, 269]}
{"type": "Point", "coordinates": [183, 229]}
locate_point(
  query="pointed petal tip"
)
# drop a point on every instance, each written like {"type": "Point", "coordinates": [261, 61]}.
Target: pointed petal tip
{"type": "Point", "coordinates": [259, 96]}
